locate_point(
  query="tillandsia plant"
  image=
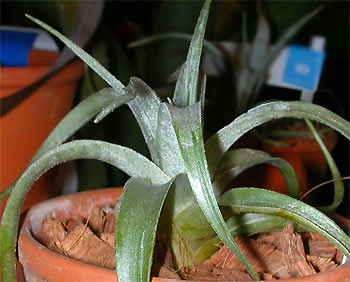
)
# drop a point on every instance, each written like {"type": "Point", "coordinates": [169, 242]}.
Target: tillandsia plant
{"type": "Point", "coordinates": [180, 186]}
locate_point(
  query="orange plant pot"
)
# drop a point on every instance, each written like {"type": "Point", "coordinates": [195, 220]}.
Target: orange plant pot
{"type": "Point", "coordinates": [306, 158]}
{"type": "Point", "coordinates": [42, 264]}
{"type": "Point", "coordinates": [26, 126]}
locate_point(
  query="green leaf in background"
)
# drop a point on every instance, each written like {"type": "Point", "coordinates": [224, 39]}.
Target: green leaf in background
{"type": "Point", "coordinates": [141, 206]}
{"type": "Point", "coordinates": [236, 161]}
{"type": "Point", "coordinates": [66, 11]}
{"type": "Point", "coordinates": [338, 184]}
{"type": "Point", "coordinates": [260, 43]}
{"type": "Point", "coordinates": [289, 34]}
{"type": "Point", "coordinates": [270, 202]}
{"type": "Point", "coordinates": [218, 144]}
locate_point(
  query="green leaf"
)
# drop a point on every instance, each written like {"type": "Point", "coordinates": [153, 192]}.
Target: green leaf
{"type": "Point", "coordinates": [145, 108]}
{"type": "Point", "coordinates": [236, 161]}
{"type": "Point", "coordinates": [90, 61]}
{"type": "Point", "coordinates": [270, 202]}
{"type": "Point", "coordinates": [187, 124]}
{"type": "Point", "coordinates": [220, 142]}
{"type": "Point", "coordinates": [289, 34]}
{"type": "Point", "coordinates": [260, 44]}
{"type": "Point", "coordinates": [169, 154]}
{"type": "Point", "coordinates": [138, 215]}
{"type": "Point", "coordinates": [123, 158]}
{"type": "Point", "coordinates": [75, 119]}
{"type": "Point", "coordinates": [186, 87]}
{"type": "Point", "coordinates": [338, 184]}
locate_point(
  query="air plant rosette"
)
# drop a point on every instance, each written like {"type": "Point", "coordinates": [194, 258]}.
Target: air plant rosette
{"type": "Point", "coordinates": [181, 184]}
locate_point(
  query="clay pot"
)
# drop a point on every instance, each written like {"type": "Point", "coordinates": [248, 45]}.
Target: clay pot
{"type": "Point", "coordinates": [304, 154]}
{"type": "Point", "coordinates": [42, 264]}
{"type": "Point", "coordinates": [307, 159]}
{"type": "Point", "coordinates": [27, 125]}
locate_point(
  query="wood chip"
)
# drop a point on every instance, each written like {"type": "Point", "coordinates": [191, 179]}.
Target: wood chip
{"type": "Point", "coordinates": [271, 238]}
{"type": "Point", "coordinates": [322, 248]}
{"type": "Point", "coordinates": [84, 245]}
{"type": "Point", "coordinates": [108, 238]}
{"type": "Point", "coordinates": [255, 252]}
{"type": "Point", "coordinates": [321, 264]}
{"type": "Point", "coordinates": [204, 272]}
{"type": "Point", "coordinates": [109, 225]}
{"type": "Point", "coordinates": [168, 273]}
{"type": "Point", "coordinates": [293, 253]}
{"type": "Point", "coordinates": [96, 220]}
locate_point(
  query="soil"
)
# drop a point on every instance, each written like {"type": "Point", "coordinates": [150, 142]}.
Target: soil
{"type": "Point", "coordinates": [274, 255]}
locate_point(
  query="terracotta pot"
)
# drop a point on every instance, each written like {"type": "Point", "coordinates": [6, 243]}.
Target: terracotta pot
{"type": "Point", "coordinates": [25, 127]}
{"type": "Point", "coordinates": [305, 156]}
{"type": "Point", "coordinates": [42, 264]}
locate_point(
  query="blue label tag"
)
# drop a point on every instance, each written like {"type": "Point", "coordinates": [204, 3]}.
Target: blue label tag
{"type": "Point", "coordinates": [15, 47]}
{"type": "Point", "coordinates": [303, 67]}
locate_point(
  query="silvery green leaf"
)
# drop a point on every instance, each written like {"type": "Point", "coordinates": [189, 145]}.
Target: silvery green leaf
{"type": "Point", "coordinates": [273, 203]}
{"type": "Point", "coordinates": [202, 85]}
{"type": "Point", "coordinates": [139, 212]}
{"type": "Point", "coordinates": [186, 87]}
{"type": "Point", "coordinates": [123, 158]}
{"type": "Point", "coordinates": [145, 108]}
{"type": "Point", "coordinates": [188, 128]}
{"type": "Point", "coordinates": [90, 61]}
{"type": "Point", "coordinates": [236, 161]}
{"type": "Point", "coordinates": [167, 147]}
{"type": "Point", "coordinates": [220, 142]}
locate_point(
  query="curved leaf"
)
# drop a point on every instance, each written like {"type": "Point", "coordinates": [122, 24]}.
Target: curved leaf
{"type": "Point", "coordinates": [236, 161]}
{"type": "Point", "coordinates": [187, 124]}
{"type": "Point", "coordinates": [270, 202]}
{"type": "Point", "coordinates": [139, 211]}
{"type": "Point", "coordinates": [123, 158]}
{"type": "Point", "coordinates": [220, 142]}
{"type": "Point", "coordinates": [338, 184]}
{"type": "Point", "coordinates": [75, 119]}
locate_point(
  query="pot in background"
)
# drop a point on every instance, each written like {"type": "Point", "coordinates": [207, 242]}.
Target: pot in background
{"type": "Point", "coordinates": [26, 126]}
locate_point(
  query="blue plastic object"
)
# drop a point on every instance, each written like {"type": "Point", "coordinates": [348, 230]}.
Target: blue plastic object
{"type": "Point", "coordinates": [15, 47]}
{"type": "Point", "coordinates": [303, 67]}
